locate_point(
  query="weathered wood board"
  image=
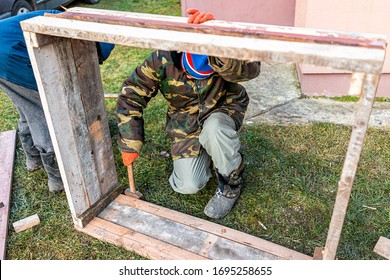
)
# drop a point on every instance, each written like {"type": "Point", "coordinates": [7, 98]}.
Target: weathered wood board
{"type": "Point", "coordinates": [130, 240]}
{"type": "Point", "coordinates": [196, 238]}
{"type": "Point", "coordinates": [347, 54]}
{"type": "Point", "coordinates": [26, 223]}
{"type": "Point", "coordinates": [7, 156]}
{"type": "Point", "coordinates": [82, 142]}
{"type": "Point", "coordinates": [366, 88]}
{"type": "Point", "coordinates": [382, 247]}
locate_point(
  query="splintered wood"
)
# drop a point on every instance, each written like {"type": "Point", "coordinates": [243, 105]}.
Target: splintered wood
{"type": "Point", "coordinates": [63, 45]}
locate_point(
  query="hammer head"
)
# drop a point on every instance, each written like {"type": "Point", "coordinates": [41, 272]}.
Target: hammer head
{"type": "Point", "coordinates": [135, 194]}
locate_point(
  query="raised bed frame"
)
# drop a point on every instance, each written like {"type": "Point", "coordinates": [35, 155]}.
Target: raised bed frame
{"type": "Point", "coordinates": [63, 55]}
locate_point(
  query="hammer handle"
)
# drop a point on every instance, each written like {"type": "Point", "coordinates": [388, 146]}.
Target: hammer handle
{"type": "Point", "coordinates": [131, 178]}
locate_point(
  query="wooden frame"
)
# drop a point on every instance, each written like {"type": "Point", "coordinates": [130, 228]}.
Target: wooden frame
{"type": "Point", "coordinates": [62, 47]}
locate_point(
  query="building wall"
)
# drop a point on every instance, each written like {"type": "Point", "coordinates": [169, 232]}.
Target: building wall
{"type": "Point", "coordinates": [368, 16]}
{"type": "Point", "coordinates": [274, 12]}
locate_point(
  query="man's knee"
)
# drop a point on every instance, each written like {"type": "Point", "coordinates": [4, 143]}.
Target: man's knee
{"type": "Point", "coordinates": [217, 126]}
{"type": "Point", "coordinates": [216, 120]}
{"type": "Point", "coordinates": [186, 185]}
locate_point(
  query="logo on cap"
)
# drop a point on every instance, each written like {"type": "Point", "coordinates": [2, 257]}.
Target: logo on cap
{"type": "Point", "coordinates": [196, 65]}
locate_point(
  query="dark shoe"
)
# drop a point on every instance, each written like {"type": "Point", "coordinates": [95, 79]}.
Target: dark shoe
{"type": "Point", "coordinates": [33, 158]}
{"type": "Point", "coordinates": [220, 205]}
{"type": "Point", "coordinates": [53, 172]}
{"type": "Point", "coordinates": [33, 163]}
{"type": "Point", "coordinates": [55, 185]}
{"type": "Point", "coordinates": [228, 191]}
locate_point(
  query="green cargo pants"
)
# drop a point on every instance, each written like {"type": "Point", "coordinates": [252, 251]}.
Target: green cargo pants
{"type": "Point", "coordinates": [220, 143]}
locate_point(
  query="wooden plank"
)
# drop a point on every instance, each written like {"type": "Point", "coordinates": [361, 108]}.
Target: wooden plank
{"type": "Point", "coordinates": [189, 238]}
{"type": "Point", "coordinates": [69, 81]}
{"type": "Point", "coordinates": [212, 228]}
{"type": "Point", "coordinates": [92, 97]}
{"type": "Point", "coordinates": [177, 22]}
{"type": "Point", "coordinates": [382, 247]}
{"type": "Point", "coordinates": [318, 253]}
{"type": "Point", "coordinates": [235, 30]}
{"type": "Point", "coordinates": [26, 223]}
{"type": "Point", "coordinates": [361, 59]}
{"type": "Point", "coordinates": [56, 79]}
{"type": "Point", "coordinates": [368, 90]}
{"type": "Point", "coordinates": [7, 156]}
{"type": "Point", "coordinates": [130, 240]}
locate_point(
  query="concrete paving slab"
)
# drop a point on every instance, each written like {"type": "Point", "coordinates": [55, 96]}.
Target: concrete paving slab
{"type": "Point", "coordinates": [276, 98]}
{"type": "Point", "coordinates": [307, 111]}
{"type": "Point", "coordinates": [276, 85]}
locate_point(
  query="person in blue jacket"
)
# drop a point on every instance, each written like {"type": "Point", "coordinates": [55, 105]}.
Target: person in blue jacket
{"type": "Point", "coordinates": [17, 81]}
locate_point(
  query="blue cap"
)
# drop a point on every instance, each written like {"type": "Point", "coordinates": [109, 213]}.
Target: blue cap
{"type": "Point", "coordinates": [196, 65]}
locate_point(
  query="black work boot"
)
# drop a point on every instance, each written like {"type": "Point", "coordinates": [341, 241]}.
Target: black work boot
{"type": "Point", "coordinates": [53, 172]}
{"type": "Point", "coordinates": [33, 158]}
{"type": "Point", "coordinates": [228, 191]}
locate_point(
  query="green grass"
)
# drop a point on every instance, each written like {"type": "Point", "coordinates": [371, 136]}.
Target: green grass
{"type": "Point", "coordinates": [290, 181]}
{"type": "Point", "coordinates": [164, 7]}
{"type": "Point", "coordinates": [351, 98]}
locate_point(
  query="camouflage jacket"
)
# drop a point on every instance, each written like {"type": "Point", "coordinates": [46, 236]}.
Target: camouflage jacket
{"type": "Point", "coordinates": [190, 101]}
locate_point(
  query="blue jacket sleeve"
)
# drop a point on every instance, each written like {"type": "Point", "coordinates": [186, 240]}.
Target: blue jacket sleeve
{"type": "Point", "coordinates": [104, 51]}
{"type": "Point", "coordinates": [15, 65]}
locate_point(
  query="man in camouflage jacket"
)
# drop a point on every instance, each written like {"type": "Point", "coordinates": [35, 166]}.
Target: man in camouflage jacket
{"type": "Point", "coordinates": [204, 115]}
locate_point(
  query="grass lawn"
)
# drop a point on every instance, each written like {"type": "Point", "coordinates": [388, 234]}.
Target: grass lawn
{"type": "Point", "coordinates": [290, 181]}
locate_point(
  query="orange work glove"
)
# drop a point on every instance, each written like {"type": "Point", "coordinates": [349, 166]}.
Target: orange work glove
{"type": "Point", "coordinates": [129, 158]}
{"type": "Point", "coordinates": [198, 17]}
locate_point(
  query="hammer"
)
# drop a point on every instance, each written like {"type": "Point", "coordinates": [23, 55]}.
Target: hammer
{"type": "Point", "coordinates": [132, 191]}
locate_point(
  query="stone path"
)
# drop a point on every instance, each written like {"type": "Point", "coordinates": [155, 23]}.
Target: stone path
{"type": "Point", "coordinates": [276, 98]}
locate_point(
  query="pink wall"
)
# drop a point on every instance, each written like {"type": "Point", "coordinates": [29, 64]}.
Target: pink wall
{"type": "Point", "coordinates": [336, 84]}
{"type": "Point", "coordinates": [368, 16]}
{"type": "Point", "coordinates": [274, 12]}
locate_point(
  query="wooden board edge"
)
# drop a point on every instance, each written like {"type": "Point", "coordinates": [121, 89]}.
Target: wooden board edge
{"type": "Point", "coordinates": [222, 28]}
{"type": "Point", "coordinates": [213, 228]}
{"type": "Point", "coordinates": [130, 240]}
{"type": "Point", "coordinates": [382, 247]}
{"type": "Point", "coordinates": [343, 57]}
{"type": "Point", "coordinates": [318, 253]}
{"type": "Point", "coordinates": [83, 219]}
{"type": "Point", "coordinates": [7, 157]}
{"type": "Point", "coordinates": [289, 29]}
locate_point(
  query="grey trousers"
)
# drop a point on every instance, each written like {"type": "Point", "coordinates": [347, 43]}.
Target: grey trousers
{"type": "Point", "coordinates": [220, 143]}
{"type": "Point", "coordinates": [32, 119]}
